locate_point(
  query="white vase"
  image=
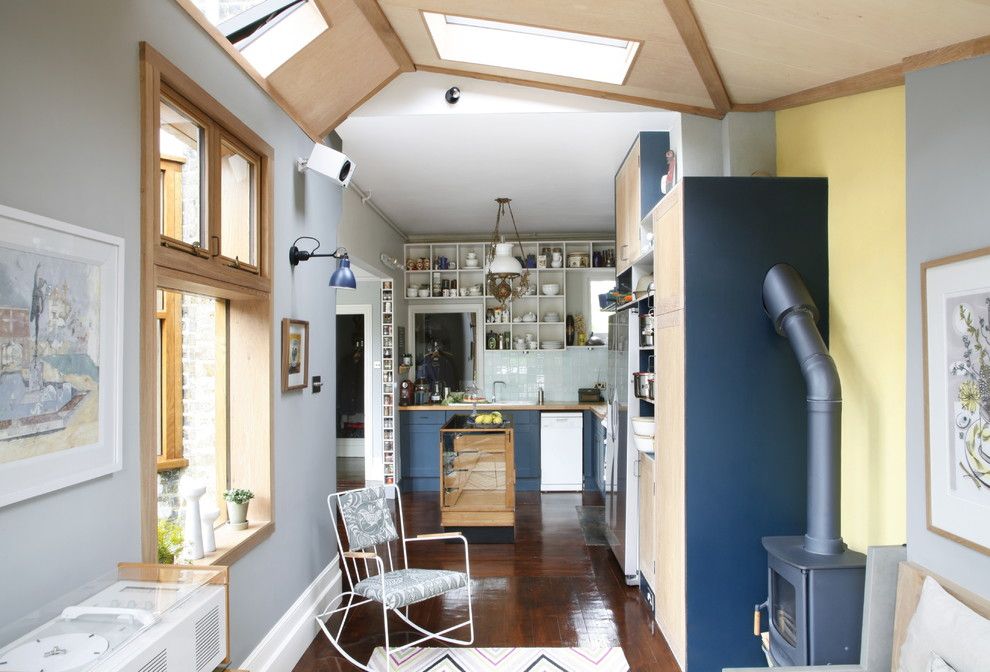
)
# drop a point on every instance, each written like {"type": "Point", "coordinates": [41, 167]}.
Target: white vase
{"type": "Point", "coordinates": [207, 518]}
{"type": "Point", "coordinates": [237, 515]}
{"type": "Point", "coordinates": [193, 528]}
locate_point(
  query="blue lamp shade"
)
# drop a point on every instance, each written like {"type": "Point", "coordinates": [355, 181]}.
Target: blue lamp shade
{"type": "Point", "coordinates": [343, 277]}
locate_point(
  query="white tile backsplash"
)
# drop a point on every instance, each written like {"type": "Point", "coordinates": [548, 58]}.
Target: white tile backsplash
{"type": "Point", "coordinates": [560, 372]}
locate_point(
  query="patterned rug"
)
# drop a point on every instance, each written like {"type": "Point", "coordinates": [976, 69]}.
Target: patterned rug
{"type": "Point", "coordinates": [577, 659]}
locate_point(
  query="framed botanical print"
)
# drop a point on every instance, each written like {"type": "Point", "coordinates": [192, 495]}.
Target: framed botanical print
{"type": "Point", "coordinates": [61, 335]}
{"type": "Point", "coordinates": [295, 354]}
{"type": "Point", "coordinates": [956, 331]}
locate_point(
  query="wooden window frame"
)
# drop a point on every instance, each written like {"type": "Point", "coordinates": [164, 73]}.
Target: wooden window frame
{"type": "Point", "coordinates": [170, 384]}
{"type": "Point", "coordinates": [249, 421]}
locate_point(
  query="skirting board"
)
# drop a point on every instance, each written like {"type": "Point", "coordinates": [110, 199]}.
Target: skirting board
{"type": "Point", "coordinates": [285, 643]}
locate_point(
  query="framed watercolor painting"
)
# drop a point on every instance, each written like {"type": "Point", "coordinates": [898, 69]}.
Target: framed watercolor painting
{"type": "Point", "coordinates": [295, 354]}
{"type": "Point", "coordinates": [956, 332]}
{"type": "Point", "coordinates": [61, 317]}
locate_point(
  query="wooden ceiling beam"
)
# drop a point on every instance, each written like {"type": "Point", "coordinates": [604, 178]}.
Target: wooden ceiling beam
{"type": "Point", "coordinates": [954, 52]}
{"type": "Point", "coordinates": [694, 39]}
{"type": "Point", "coordinates": [882, 78]}
{"type": "Point", "coordinates": [386, 33]}
{"type": "Point", "coordinates": [594, 93]}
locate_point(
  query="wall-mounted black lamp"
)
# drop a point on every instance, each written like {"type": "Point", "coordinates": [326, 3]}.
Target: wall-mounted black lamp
{"type": "Point", "coordinates": [342, 278]}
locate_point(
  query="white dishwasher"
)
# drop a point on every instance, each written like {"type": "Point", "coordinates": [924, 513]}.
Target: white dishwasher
{"type": "Point", "coordinates": [561, 451]}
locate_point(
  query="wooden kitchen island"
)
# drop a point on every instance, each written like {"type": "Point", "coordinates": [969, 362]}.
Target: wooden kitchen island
{"type": "Point", "coordinates": [477, 470]}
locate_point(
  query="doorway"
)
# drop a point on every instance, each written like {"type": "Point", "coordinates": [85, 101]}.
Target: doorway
{"type": "Point", "coordinates": [354, 427]}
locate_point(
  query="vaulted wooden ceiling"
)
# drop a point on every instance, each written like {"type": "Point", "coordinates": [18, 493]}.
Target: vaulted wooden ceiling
{"type": "Point", "coordinates": [700, 56]}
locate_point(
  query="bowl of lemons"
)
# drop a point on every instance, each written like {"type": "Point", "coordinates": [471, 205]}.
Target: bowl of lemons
{"type": "Point", "coordinates": [492, 419]}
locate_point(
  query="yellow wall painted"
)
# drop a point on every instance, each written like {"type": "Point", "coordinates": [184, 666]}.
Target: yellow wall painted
{"type": "Point", "coordinates": [857, 142]}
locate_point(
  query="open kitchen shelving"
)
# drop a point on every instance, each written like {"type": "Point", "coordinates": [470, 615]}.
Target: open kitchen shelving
{"type": "Point", "coordinates": [538, 303]}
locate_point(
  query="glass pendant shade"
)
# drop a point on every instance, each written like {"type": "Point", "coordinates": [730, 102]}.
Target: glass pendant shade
{"type": "Point", "coordinates": [504, 263]}
{"type": "Point", "coordinates": [343, 277]}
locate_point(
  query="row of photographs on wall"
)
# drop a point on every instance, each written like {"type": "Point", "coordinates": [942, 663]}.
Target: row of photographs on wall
{"type": "Point", "coordinates": [388, 384]}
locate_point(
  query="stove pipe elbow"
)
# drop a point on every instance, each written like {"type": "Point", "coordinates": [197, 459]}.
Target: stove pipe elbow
{"type": "Point", "coordinates": [794, 314]}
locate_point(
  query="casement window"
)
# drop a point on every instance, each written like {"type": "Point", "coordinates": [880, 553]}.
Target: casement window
{"type": "Point", "coordinates": [206, 308]}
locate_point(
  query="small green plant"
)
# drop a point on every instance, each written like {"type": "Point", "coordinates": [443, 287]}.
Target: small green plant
{"type": "Point", "coordinates": [170, 540]}
{"type": "Point", "coordinates": [238, 496]}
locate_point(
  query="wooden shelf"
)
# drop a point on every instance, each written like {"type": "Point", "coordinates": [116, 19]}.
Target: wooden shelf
{"type": "Point", "coordinates": [480, 500]}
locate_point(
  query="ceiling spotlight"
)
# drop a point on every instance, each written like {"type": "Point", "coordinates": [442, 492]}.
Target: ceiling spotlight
{"type": "Point", "coordinates": [453, 95]}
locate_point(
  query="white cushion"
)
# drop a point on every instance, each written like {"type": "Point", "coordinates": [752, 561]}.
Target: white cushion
{"type": "Point", "coordinates": [939, 665]}
{"type": "Point", "coordinates": [944, 626]}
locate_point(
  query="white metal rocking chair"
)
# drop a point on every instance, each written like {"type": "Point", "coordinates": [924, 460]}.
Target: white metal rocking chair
{"type": "Point", "coordinates": [369, 524]}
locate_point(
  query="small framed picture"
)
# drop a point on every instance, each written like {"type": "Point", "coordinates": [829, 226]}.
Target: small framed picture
{"type": "Point", "coordinates": [387, 411]}
{"type": "Point", "coordinates": [388, 423]}
{"type": "Point", "coordinates": [386, 284]}
{"type": "Point", "coordinates": [387, 296]}
{"type": "Point", "coordinates": [387, 377]}
{"type": "Point", "coordinates": [387, 318]}
{"type": "Point", "coordinates": [388, 400]}
{"type": "Point", "coordinates": [386, 306]}
{"type": "Point", "coordinates": [387, 342]}
{"type": "Point", "coordinates": [389, 446]}
{"type": "Point", "coordinates": [386, 330]}
{"type": "Point", "coordinates": [387, 353]}
{"type": "Point", "coordinates": [389, 434]}
{"type": "Point", "coordinates": [295, 354]}
{"type": "Point", "coordinates": [387, 364]}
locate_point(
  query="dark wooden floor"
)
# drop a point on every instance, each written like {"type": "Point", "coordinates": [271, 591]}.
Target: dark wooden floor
{"type": "Point", "coordinates": [350, 473]}
{"type": "Point", "coordinates": [547, 589]}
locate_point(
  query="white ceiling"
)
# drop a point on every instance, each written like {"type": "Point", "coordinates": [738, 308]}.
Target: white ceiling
{"type": "Point", "coordinates": [433, 168]}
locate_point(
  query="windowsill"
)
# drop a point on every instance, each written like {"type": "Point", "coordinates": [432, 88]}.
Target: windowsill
{"type": "Point", "coordinates": [232, 544]}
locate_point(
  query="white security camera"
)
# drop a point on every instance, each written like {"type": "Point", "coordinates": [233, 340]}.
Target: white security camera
{"type": "Point", "coordinates": [329, 162]}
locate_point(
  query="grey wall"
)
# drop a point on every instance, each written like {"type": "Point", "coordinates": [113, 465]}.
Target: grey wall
{"type": "Point", "coordinates": [69, 128]}
{"type": "Point", "coordinates": [740, 144]}
{"type": "Point", "coordinates": [749, 144]}
{"type": "Point", "coordinates": [948, 165]}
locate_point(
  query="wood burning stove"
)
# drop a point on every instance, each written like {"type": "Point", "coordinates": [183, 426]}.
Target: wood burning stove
{"type": "Point", "coordinates": [815, 604]}
{"type": "Point", "coordinates": [815, 584]}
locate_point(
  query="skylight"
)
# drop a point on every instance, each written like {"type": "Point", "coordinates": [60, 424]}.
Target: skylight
{"type": "Point", "coordinates": [266, 32]}
{"type": "Point", "coordinates": [519, 47]}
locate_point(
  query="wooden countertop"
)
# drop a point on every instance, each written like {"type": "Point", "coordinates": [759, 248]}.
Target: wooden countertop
{"type": "Point", "coordinates": [596, 408]}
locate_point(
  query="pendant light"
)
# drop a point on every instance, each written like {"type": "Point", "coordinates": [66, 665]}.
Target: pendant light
{"type": "Point", "coordinates": [507, 279]}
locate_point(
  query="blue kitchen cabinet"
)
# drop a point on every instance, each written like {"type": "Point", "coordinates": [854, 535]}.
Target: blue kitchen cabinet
{"type": "Point", "coordinates": [419, 446]}
{"type": "Point", "coordinates": [527, 453]}
{"type": "Point", "coordinates": [419, 436]}
{"type": "Point", "coordinates": [599, 438]}
{"type": "Point", "coordinates": [588, 452]}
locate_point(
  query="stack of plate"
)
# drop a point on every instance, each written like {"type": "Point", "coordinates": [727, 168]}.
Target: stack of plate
{"type": "Point", "coordinates": [551, 345]}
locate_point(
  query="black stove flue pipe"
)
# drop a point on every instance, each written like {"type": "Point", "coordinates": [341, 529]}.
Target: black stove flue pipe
{"type": "Point", "coordinates": [794, 314]}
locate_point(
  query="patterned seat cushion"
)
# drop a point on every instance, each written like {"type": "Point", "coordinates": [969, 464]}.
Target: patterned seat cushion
{"type": "Point", "coordinates": [408, 586]}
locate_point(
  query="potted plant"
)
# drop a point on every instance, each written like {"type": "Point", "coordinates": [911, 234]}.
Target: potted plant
{"type": "Point", "coordinates": [170, 540]}
{"type": "Point", "coordinates": [237, 507]}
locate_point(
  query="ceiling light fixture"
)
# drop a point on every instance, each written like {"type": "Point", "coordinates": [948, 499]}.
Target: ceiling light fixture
{"type": "Point", "coordinates": [503, 267]}
{"type": "Point", "coordinates": [343, 276]}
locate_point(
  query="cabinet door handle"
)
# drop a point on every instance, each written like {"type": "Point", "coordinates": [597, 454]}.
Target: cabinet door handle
{"type": "Point", "coordinates": [623, 248]}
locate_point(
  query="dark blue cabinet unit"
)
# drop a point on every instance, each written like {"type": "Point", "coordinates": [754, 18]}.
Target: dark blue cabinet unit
{"type": "Point", "coordinates": [527, 426]}
{"type": "Point", "coordinates": [419, 446]}
{"type": "Point", "coordinates": [745, 416]}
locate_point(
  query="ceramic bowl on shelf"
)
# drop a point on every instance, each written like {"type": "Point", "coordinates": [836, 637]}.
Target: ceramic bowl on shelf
{"type": "Point", "coordinates": [551, 345]}
{"type": "Point", "coordinates": [412, 291]}
{"type": "Point", "coordinates": [423, 293]}
{"type": "Point", "coordinates": [551, 317]}
{"type": "Point", "coordinates": [551, 289]}
{"type": "Point", "coordinates": [644, 444]}
{"type": "Point", "coordinates": [529, 317]}
{"type": "Point", "coordinates": [644, 425]}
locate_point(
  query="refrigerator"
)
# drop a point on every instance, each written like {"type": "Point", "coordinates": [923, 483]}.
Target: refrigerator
{"type": "Point", "coordinates": [621, 486]}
